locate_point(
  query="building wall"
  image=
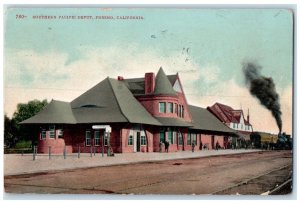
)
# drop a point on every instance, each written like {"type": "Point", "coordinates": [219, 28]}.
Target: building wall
{"type": "Point", "coordinates": [57, 144]}
{"type": "Point", "coordinates": [74, 138]}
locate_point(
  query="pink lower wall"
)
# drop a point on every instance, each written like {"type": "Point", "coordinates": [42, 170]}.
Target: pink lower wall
{"type": "Point", "coordinates": [74, 137]}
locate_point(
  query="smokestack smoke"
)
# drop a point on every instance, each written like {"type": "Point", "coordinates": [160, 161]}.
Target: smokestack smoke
{"type": "Point", "coordinates": [264, 89]}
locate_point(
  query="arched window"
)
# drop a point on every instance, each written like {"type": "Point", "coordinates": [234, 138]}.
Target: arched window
{"type": "Point", "coordinates": [130, 140]}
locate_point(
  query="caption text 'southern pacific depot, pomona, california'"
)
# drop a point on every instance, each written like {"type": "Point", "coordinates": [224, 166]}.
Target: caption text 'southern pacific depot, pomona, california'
{"type": "Point", "coordinates": [134, 115]}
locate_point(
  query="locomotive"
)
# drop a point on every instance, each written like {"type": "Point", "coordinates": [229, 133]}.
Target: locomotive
{"type": "Point", "coordinates": [271, 141]}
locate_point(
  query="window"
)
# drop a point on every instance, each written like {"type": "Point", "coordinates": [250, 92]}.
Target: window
{"type": "Point", "coordinates": [105, 139]}
{"type": "Point", "coordinates": [189, 139]}
{"type": "Point", "coordinates": [97, 138]}
{"type": "Point", "coordinates": [130, 140]}
{"type": "Point", "coordinates": [182, 113]}
{"type": "Point", "coordinates": [170, 137]}
{"type": "Point", "coordinates": [180, 138]}
{"type": "Point", "coordinates": [162, 136]}
{"type": "Point", "coordinates": [179, 110]}
{"type": "Point", "coordinates": [176, 108]}
{"type": "Point", "coordinates": [60, 133]}
{"type": "Point", "coordinates": [43, 135]}
{"type": "Point", "coordinates": [174, 138]}
{"type": "Point", "coordinates": [143, 139]}
{"type": "Point", "coordinates": [170, 108]}
{"type": "Point", "coordinates": [52, 131]}
{"type": "Point", "coordinates": [162, 107]}
{"type": "Point", "coordinates": [87, 138]}
{"type": "Point", "coordinates": [194, 136]}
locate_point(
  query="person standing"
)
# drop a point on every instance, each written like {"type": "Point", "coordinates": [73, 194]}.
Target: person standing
{"type": "Point", "coordinates": [167, 146]}
{"type": "Point", "coordinates": [217, 145]}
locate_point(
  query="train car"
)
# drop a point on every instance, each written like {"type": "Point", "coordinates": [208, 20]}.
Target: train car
{"type": "Point", "coordinates": [270, 141]}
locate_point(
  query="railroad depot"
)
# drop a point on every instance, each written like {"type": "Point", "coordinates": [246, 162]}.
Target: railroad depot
{"type": "Point", "coordinates": [129, 115]}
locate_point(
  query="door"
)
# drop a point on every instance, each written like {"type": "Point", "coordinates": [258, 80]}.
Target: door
{"type": "Point", "coordinates": [213, 142]}
{"type": "Point", "coordinates": [138, 141]}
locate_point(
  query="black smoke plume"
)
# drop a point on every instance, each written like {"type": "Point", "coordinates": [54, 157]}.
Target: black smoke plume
{"type": "Point", "coordinates": [264, 89]}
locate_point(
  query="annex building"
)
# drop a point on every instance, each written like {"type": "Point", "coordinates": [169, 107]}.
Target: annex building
{"type": "Point", "coordinates": [129, 115]}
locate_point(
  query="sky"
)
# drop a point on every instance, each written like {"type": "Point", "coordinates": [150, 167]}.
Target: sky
{"type": "Point", "coordinates": [62, 58]}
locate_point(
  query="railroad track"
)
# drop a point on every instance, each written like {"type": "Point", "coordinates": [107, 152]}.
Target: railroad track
{"type": "Point", "coordinates": [275, 182]}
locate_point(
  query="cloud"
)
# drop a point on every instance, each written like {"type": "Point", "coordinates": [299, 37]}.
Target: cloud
{"type": "Point", "coordinates": [30, 75]}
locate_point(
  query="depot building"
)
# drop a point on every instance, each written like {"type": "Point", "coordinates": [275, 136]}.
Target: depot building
{"type": "Point", "coordinates": [129, 115]}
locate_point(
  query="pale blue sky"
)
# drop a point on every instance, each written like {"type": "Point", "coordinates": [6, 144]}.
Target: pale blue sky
{"type": "Point", "coordinates": [219, 38]}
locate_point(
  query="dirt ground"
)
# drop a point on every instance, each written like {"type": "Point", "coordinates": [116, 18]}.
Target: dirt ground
{"type": "Point", "coordinates": [183, 176]}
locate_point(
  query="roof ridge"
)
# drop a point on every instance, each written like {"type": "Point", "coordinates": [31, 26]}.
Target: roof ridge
{"type": "Point", "coordinates": [114, 94]}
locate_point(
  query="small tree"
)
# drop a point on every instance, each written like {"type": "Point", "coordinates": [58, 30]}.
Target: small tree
{"type": "Point", "coordinates": [10, 131]}
{"type": "Point", "coordinates": [25, 111]}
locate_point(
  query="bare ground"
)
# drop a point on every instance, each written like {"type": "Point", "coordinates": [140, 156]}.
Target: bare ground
{"type": "Point", "coordinates": [183, 176]}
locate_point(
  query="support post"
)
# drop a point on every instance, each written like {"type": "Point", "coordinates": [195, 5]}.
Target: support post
{"type": "Point", "coordinates": [65, 153]}
{"type": "Point", "coordinates": [78, 151]}
{"type": "Point", "coordinates": [91, 151]}
{"type": "Point", "coordinates": [103, 144]}
{"type": "Point", "coordinates": [94, 151]}
{"type": "Point", "coordinates": [49, 152]}
{"type": "Point", "coordinates": [33, 153]}
{"type": "Point", "coordinates": [108, 145]}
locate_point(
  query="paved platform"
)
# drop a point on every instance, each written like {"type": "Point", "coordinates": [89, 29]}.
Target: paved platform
{"type": "Point", "coordinates": [15, 164]}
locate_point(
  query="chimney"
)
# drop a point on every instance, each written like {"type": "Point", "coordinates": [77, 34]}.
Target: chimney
{"type": "Point", "coordinates": [149, 82]}
{"type": "Point", "coordinates": [248, 117]}
{"type": "Point", "coordinates": [120, 78]}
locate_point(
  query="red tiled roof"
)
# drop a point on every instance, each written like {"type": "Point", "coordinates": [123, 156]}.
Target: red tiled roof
{"type": "Point", "coordinates": [226, 113]}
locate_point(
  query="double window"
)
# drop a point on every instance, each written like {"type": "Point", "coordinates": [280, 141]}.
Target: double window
{"type": "Point", "coordinates": [143, 139]}
{"type": "Point", "coordinates": [130, 140]}
{"type": "Point", "coordinates": [174, 138]}
{"type": "Point", "coordinates": [105, 139]}
{"type": "Point", "coordinates": [87, 138]}
{"type": "Point", "coordinates": [60, 133]}
{"type": "Point", "coordinates": [162, 107]}
{"type": "Point", "coordinates": [43, 135]}
{"type": "Point", "coordinates": [194, 138]}
{"type": "Point", "coordinates": [97, 138]}
{"type": "Point", "coordinates": [52, 131]}
{"type": "Point", "coordinates": [170, 137]}
{"type": "Point", "coordinates": [189, 139]}
{"type": "Point", "coordinates": [170, 108]}
{"type": "Point", "coordinates": [162, 136]}
{"type": "Point", "coordinates": [180, 140]}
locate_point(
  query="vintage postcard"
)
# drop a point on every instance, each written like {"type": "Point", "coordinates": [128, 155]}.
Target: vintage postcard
{"type": "Point", "coordinates": [148, 101]}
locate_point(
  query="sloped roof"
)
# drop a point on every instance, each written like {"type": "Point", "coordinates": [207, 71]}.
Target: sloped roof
{"type": "Point", "coordinates": [130, 107]}
{"type": "Point", "coordinates": [137, 85]}
{"type": "Point", "coordinates": [108, 101]}
{"type": "Point", "coordinates": [172, 78]}
{"type": "Point", "coordinates": [162, 84]}
{"type": "Point", "coordinates": [226, 114]}
{"type": "Point", "coordinates": [204, 120]}
{"type": "Point", "coordinates": [98, 104]}
{"type": "Point", "coordinates": [175, 122]}
{"type": "Point", "coordinates": [113, 103]}
{"type": "Point", "coordinates": [57, 112]}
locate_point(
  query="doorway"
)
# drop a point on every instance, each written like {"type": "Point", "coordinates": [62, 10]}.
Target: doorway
{"type": "Point", "coordinates": [136, 141]}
